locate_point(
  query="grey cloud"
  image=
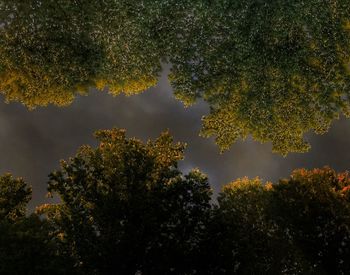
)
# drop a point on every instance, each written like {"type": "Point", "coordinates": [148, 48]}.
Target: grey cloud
{"type": "Point", "coordinates": [33, 142]}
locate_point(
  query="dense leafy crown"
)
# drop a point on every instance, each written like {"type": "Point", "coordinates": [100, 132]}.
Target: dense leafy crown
{"type": "Point", "coordinates": [273, 70]}
{"type": "Point", "coordinates": [126, 206]}
{"type": "Point", "coordinates": [26, 244]}
{"type": "Point", "coordinates": [52, 50]}
{"type": "Point", "coordinates": [297, 226]}
{"type": "Point", "coordinates": [270, 69]}
{"type": "Point", "coordinates": [14, 196]}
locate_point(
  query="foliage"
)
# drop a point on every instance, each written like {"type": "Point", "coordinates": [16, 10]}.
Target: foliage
{"type": "Point", "coordinates": [246, 237]}
{"type": "Point", "coordinates": [273, 70]}
{"type": "Point", "coordinates": [126, 207]}
{"type": "Point", "coordinates": [25, 243]}
{"type": "Point", "coordinates": [297, 226]}
{"type": "Point", "coordinates": [52, 50]}
{"type": "Point", "coordinates": [14, 196]}
{"type": "Point", "coordinates": [315, 207]}
{"type": "Point", "coordinates": [26, 248]}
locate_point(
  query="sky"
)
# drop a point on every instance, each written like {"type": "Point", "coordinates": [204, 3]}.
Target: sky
{"type": "Point", "coordinates": [33, 142]}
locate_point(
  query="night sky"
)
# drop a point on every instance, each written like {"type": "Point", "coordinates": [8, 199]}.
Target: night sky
{"type": "Point", "coordinates": [33, 142]}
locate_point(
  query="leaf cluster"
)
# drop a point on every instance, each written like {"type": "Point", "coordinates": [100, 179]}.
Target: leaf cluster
{"type": "Point", "coordinates": [124, 207]}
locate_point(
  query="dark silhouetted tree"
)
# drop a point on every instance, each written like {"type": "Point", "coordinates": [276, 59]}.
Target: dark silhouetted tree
{"type": "Point", "coordinates": [314, 206]}
{"type": "Point", "coordinates": [126, 208]}
{"type": "Point", "coordinates": [26, 246]}
{"type": "Point", "coordinates": [243, 236]}
{"type": "Point", "coordinates": [14, 197]}
{"type": "Point", "coordinates": [297, 226]}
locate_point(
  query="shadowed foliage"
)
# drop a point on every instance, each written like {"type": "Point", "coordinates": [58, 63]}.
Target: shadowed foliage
{"type": "Point", "coordinates": [299, 225]}
{"type": "Point", "coordinates": [314, 206]}
{"type": "Point", "coordinates": [26, 244]}
{"type": "Point", "coordinates": [14, 196]}
{"type": "Point", "coordinates": [127, 208]}
{"type": "Point", "coordinates": [273, 70]}
{"type": "Point", "coordinates": [52, 50]}
{"type": "Point", "coordinates": [244, 236]}
{"type": "Point", "coordinates": [270, 69]}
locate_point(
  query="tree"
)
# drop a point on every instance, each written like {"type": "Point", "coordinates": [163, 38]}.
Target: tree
{"type": "Point", "coordinates": [299, 225]}
{"type": "Point", "coordinates": [126, 208]}
{"type": "Point", "coordinates": [25, 243]}
{"type": "Point", "coordinates": [273, 70]}
{"type": "Point", "coordinates": [244, 237]}
{"type": "Point", "coordinates": [52, 50]}
{"type": "Point", "coordinates": [14, 196]}
{"type": "Point", "coordinates": [315, 208]}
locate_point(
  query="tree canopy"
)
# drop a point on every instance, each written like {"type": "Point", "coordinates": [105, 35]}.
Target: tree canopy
{"type": "Point", "coordinates": [271, 70]}
{"type": "Point", "coordinates": [26, 243]}
{"type": "Point", "coordinates": [299, 225]}
{"type": "Point", "coordinates": [274, 70]}
{"type": "Point", "coordinates": [14, 196]}
{"type": "Point", "coordinates": [126, 208]}
{"type": "Point", "coordinates": [314, 206]}
{"type": "Point", "coordinates": [52, 50]}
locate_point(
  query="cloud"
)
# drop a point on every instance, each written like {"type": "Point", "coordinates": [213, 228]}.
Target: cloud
{"type": "Point", "coordinates": [33, 142]}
